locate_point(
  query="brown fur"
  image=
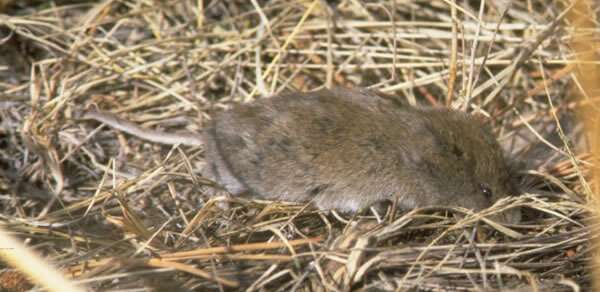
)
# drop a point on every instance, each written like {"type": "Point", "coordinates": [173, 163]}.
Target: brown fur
{"type": "Point", "coordinates": [348, 149]}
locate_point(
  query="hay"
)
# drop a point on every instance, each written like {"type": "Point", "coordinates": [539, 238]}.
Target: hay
{"type": "Point", "coordinates": [115, 212]}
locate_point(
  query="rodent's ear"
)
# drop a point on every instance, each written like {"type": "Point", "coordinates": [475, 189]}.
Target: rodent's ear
{"type": "Point", "coordinates": [397, 100]}
{"type": "Point", "coordinates": [483, 121]}
{"type": "Point", "coordinates": [514, 168]}
{"type": "Point", "coordinates": [481, 118]}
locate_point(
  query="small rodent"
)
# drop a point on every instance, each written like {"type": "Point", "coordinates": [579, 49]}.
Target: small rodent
{"type": "Point", "coordinates": [347, 149]}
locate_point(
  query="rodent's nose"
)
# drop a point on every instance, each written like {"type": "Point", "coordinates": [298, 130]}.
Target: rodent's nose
{"type": "Point", "coordinates": [510, 216]}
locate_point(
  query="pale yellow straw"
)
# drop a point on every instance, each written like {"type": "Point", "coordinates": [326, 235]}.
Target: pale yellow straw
{"type": "Point", "coordinates": [29, 263]}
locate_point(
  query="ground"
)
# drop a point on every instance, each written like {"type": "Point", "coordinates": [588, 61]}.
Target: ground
{"type": "Point", "coordinates": [115, 212]}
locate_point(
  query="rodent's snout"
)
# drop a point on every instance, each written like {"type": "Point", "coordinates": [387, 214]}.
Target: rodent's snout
{"type": "Point", "coordinates": [510, 216]}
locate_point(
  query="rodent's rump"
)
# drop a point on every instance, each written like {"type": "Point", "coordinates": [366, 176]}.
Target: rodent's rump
{"type": "Point", "coordinates": [347, 149]}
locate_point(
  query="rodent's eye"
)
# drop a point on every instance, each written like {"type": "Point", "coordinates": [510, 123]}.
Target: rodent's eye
{"type": "Point", "coordinates": [456, 151]}
{"type": "Point", "coordinates": [486, 191]}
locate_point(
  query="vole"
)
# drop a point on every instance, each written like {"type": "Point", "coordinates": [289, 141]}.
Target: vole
{"type": "Point", "coordinates": [347, 149]}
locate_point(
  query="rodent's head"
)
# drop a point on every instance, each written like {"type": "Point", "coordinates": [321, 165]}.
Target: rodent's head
{"type": "Point", "coordinates": [472, 168]}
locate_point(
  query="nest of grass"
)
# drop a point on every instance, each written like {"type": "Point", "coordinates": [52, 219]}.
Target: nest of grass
{"type": "Point", "coordinates": [115, 212]}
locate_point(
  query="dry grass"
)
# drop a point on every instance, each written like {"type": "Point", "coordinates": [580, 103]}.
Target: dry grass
{"type": "Point", "coordinates": [117, 213]}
